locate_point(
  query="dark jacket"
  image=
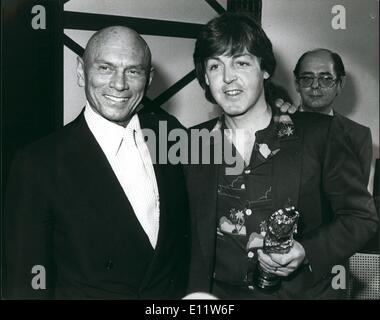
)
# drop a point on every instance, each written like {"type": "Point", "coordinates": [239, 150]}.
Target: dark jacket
{"type": "Point", "coordinates": [360, 139]}
{"type": "Point", "coordinates": [318, 171]}
{"type": "Point", "coordinates": [66, 211]}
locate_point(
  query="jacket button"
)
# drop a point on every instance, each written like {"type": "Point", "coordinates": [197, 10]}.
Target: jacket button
{"type": "Point", "coordinates": [109, 265]}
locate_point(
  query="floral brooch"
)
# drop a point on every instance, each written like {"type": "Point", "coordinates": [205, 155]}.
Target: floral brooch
{"type": "Point", "coordinates": [285, 126]}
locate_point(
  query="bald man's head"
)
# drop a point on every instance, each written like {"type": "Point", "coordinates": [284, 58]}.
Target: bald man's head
{"type": "Point", "coordinates": [319, 79]}
{"type": "Point", "coordinates": [115, 71]}
{"type": "Point", "coordinates": [328, 54]}
{"type": "Point", "coordinates": [113, 34]}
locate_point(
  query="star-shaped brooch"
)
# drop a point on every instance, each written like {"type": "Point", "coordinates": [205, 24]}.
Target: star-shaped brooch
{"type": "Point", "coordinates": [285, 126]}
{"type": "Point", "coordinates": [286, 131]}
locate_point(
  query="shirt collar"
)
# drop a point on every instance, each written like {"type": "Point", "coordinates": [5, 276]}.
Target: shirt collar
{"type": "Point", "coordinates": [267, 135]}
{"type": "Point", "coordinates": [108, 134]}
{"type": "Point", "coordinates": [221, 125]}
{"type": "Point", "coordinates": [331, 113]}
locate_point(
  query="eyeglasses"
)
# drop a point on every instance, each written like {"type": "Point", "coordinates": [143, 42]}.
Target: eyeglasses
{"type": "Point", "coordinates": [323, 81]}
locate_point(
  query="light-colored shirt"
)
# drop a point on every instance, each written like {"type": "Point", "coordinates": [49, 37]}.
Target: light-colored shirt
{"type": "Point", "coordinates": [129, 157]}
{"type": "Point", "coordinates": [331, 113]}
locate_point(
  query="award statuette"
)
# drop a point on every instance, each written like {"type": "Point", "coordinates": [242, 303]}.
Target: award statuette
{"type": "Point", "coordinates": [279, 229]}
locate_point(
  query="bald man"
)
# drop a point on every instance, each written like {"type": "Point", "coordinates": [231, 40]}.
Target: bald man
{"type": "Point", "coordinates": [319, 79]}
{"type": "Point", "coordinates": [88, 213]}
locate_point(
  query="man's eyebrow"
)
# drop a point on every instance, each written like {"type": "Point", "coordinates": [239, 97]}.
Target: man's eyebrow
{"type": "Point", "coordinates": [237, 55]}
{"type": "Point", "coordinates": [326, 73]}
{"type": "Point", "coordinates": [136, 66]}
{"type": "Point", "coordinates": [213, 58]}
{"type": "Point", "coordinates": [313, 73]}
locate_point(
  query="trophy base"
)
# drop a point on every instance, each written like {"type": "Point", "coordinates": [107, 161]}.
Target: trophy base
{"type": "Point", "coordinates": [266, 282]}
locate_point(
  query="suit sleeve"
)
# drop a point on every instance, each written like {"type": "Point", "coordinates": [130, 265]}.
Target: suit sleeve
{"type": "Point", "coordinates": [199, 275]}
{"type": "Point", "coordinates": [28, 231]}
{"type": "Point", "coordinates": [354, 219]}
{"type": "Point", "coordinates": [365, 154]}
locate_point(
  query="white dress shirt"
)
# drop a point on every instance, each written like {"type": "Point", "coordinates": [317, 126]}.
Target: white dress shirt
{"type": "Point", "coordinates": [129, 157]}
{"type": "Point", "coordinates": [331, 113]}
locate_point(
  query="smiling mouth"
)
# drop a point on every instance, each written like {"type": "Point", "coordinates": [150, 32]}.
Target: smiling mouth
{"type": "Point", "coordinates": [233, 92]}
{"type": "Point", "coordinates": [116, 99]}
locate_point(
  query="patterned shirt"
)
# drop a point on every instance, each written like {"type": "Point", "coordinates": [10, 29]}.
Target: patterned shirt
{"type": "Point", "coordinates": [244, 201]}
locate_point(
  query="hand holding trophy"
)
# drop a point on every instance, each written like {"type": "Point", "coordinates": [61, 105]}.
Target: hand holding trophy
{"type": "Point", "coordinates": [279, 229]}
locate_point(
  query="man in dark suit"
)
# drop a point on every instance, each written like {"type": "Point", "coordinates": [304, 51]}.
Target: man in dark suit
{"type": "Point", "coordinates": [320, 78]}
{"type": "Point", "coordinates": [303, 159]}
{"type": "Point", "coordinates": [88, 214]}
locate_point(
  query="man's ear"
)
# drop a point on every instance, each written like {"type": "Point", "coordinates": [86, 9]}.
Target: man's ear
{"type": "Point", "coordinates": [80, 72]}
{"type": "Point", "coordinates": [206, 80]}
{"type": "Point", "coordinates": [296, 84]}
{"type": "Point", "coordinates": [341, 83]}
{"type": "Point", "coordinates": [151, 75]}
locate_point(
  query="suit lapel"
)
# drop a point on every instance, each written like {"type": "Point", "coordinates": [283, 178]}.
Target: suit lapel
{"type": "Point", "coordinates": [146, 122]}
{"type": "Point", "coordinates": [162, 172]}
{"type": "Point", "coordinates": [100, 184]}
{"type": "Point", "coordinates": [206, 184]}
{"type": "Point", "coordinates": [287, 171]}
{"type": "Point", "coordinates": [204, 189]}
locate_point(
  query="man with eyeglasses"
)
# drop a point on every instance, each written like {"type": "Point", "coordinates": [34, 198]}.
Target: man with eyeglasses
{"type": "Point", "coordinates": [320, 78]}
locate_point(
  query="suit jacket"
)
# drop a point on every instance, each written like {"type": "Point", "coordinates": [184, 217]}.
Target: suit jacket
{"type": "Point", "coordinates": [360, 139]}
{"type": "Point", "coordinates": [66, 211]}
{"type": "Point", "coordinates": [318, 171]}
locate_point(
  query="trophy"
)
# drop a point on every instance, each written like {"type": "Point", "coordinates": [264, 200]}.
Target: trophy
{"type": "Point", "coordinates": [279, 229]}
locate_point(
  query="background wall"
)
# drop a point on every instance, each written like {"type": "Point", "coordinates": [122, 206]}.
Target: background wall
{"type": "Point", "coordinates": [294, 26]}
